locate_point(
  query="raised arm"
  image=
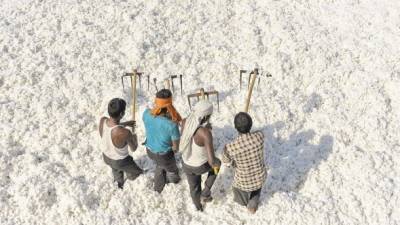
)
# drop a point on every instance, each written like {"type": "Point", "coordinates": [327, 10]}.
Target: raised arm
{"type": "Point", "coordinates": [101, 125]}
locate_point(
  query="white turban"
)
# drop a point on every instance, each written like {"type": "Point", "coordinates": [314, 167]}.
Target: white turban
{"type": "Point", "coordinates": [202, 109]}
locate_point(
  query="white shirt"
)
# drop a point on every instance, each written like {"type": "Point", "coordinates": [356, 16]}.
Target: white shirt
{"type": "Point", "coordinates": [109, 149]}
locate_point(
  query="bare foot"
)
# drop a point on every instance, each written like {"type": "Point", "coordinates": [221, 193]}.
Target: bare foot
{"type": "Point", "coordinates": [252, 210]}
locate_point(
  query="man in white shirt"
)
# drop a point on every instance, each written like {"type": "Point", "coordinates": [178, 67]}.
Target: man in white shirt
{"type": "Point", "coordinates": [198, 154]}
{"type": "Point", "coordinates": [115, 140]}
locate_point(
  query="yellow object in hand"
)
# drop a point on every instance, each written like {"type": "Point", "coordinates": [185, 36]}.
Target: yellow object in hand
{"type": "Point", "coordinates": [216, 170]}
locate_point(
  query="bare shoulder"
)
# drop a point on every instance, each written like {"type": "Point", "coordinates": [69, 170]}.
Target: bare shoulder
{"type": "Point", "coordinates": [120, 136]}
{"type": "Point", "coordinates": [204, 132]}
{"type": "Point", "coordinates": [122, 132]}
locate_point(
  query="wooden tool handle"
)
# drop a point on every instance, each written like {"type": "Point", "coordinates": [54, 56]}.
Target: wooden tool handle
{"type": "Point", "coordinates": [167, 84]}
{"type": "Point", "coordinates": [155, 84]}
{"type": "Point", "coordinates": [133, 86]}
{"type": "Point", "coordinates": [202, 94]}
{"type": "Point", "coordinates": [253, 79]}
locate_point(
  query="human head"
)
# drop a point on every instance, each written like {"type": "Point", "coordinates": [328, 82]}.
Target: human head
{"type": "Point", "coordinates": [164, 94]}
{"type": "Point", "coordinates": [163, 106]}
{"type": "Point", "coordinates": [243, 122]}
{"type": "Point", "coordinates": [116, 108]}
{"type": "Point", "coordinates": [203, 110]}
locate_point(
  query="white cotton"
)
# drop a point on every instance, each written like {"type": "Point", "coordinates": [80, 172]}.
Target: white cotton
{"type": "Point", "coordinates": [329, 113]}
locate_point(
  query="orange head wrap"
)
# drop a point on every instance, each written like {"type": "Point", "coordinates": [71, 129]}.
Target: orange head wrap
{"type": "Point", "coordinates": [166, 103]}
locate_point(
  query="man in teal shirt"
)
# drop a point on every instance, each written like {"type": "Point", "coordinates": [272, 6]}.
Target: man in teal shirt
{"type": "Point", "coordinates": [162, 139]}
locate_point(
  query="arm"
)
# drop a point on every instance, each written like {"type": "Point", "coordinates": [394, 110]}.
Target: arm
{"type": "Point", "coordinates": [130, 123]}
{"type": "Point", "coordinates": [175, 137]}
{"type": "Point", "coordinates": [175, 146]}
{"type": "Point", "coordinates": [101, 124]}
{"type": "Point", "coordinates": [132, 140]}
{"type": "Point", "coordinates": [206, 136]}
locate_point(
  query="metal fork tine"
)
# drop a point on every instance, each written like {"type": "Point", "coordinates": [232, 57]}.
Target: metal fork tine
{"type": "Point", "coordinates": [181, 82]}
{"type": "Point", "coordinates": [172, 77]}
{"type": "Point", "coordinates": [203, 95]}
{"type": "Point", "coordinates": [155, 83]}
{"type": "Point", "coordinates": [190, 106]}
{"type": "Point", "coordinates": [148, 82]}
{"type": "Point", "coordinates": [218, 100]}
{"type": "Point", "coordinates": [140, 81]}
{"type": "Point", "coordinates": [122, 80]}
{"type": "Point", "coordinates": [241, 75]}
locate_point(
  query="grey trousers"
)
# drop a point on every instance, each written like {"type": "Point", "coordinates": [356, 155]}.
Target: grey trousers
{"type": "Point", "coordinates": [249, 199]}
{"type": "Point", "coordinates": [193, 175]}
{"type": "Point", "coordinates": [166, 169]}
{"type": "Point", "coordinates": [119, 167]}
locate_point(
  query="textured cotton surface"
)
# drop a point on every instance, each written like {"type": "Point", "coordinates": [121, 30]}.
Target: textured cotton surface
{"type": "Point", "coordinates": [330, 111]}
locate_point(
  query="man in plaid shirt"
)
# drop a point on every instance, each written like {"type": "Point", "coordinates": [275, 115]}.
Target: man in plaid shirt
{"type": "Point", "coordinates": [246, 155]}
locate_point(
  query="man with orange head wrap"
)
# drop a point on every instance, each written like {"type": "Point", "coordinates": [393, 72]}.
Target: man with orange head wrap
{"type": "Point", "coordinates": [162, 138]}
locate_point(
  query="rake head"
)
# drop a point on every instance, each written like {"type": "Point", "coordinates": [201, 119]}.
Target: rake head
{"type": "Point", "coordinates": [259, 74]}
{"type": "Point", "coordinates": [203, 95]}
{"type": "Point", "coordinates": [172, 77]}
{"type": "Point", "coordinates": [131, 75]}
{"type": "Point", "coordinates": [155, 83]}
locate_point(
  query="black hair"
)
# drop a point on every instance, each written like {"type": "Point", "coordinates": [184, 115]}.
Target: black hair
{"type": "Point", "coordinates": [115, 107]}
{"type": "Point", "coordinates": [243, 122]}
{"type": "Point", "coordinates": [164, 94]}
{"type": "Point", "coordinates": [205, 119]}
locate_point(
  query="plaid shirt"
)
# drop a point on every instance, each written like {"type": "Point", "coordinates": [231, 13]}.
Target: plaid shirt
{"type": "Point", "coordinates": [246, 153]}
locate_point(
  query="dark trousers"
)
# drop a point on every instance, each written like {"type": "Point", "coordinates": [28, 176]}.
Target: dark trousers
{"type": "Point", "coordinates": [126, 165]}
{"type": "Point", "coordinates": [249, 199]}
{"type": "Point", "coordinates": [193, 175]}
{"type": "Point", "coordinates": [166, 169]}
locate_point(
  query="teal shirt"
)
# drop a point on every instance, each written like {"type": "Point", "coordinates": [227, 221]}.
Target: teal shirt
{"type": "Point", "coordinates": [160, 132]}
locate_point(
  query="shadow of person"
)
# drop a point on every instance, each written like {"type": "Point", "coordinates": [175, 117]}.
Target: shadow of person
{"type": "Point", "coordinates": [289, 161]}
